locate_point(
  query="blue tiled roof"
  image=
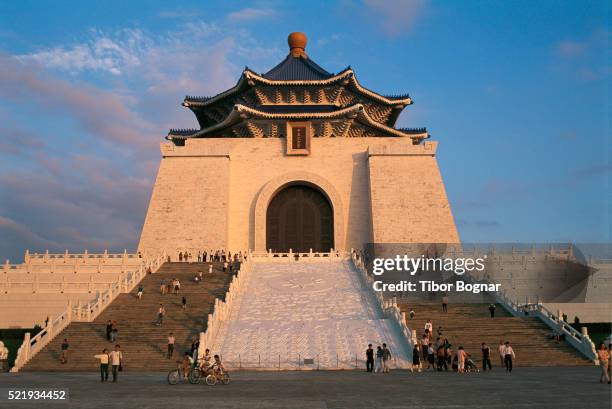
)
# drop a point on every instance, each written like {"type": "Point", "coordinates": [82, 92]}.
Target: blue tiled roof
{"type": "Point", "coordinates": [297, 68]}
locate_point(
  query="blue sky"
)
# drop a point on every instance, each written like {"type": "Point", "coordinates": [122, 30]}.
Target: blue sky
{"type": "Point", "coordinates": [516, 92]}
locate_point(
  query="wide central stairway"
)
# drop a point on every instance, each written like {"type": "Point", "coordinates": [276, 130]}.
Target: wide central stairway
{"type": "Point", "coordinates": [306, 315]}
{"type": "Point", "coordinates": [143, 344]}
{"type": "Point", "coordinates": [470, 324]}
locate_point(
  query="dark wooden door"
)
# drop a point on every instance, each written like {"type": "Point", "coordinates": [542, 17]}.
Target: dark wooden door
{"type": "Point", "coordinates": [300, 218]}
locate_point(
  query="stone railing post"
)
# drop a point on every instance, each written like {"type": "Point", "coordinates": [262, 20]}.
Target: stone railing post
{"type": "Point", "coordinates": [88, 312]}
{"type": "Point", "coordinates": [65, 256]}
{"type": "Point", "coordinates": [26, 344]}
{"type": "Point", "coordinates": [49, 327]}
{"type": "Point", "coordinates": [69, 309]}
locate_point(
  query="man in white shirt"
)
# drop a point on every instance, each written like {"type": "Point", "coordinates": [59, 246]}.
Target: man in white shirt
{"type": "Point", "coordinates": [115, 360]}
{"type": "Point", "coordinates": [428, 327]}
{"type": "Point", "coordinates": [508, 356]}
{"type": "Point", "coordinates": [171, 341]}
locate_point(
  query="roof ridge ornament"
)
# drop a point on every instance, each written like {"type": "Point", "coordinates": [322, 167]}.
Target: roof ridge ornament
{"type": "Point", "coordinates": [297, 44]}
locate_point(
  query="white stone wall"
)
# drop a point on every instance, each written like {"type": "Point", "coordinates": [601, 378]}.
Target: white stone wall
{"type": "Point", "coordinates": [207, 193]}
{"type": "Point", "coordinates": [409, 202]}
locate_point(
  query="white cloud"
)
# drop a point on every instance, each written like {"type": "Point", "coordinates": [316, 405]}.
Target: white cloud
{"type": "Point", "coordinates": [250, 14]}
{"type": "Point", "coordinates": [102, 53]}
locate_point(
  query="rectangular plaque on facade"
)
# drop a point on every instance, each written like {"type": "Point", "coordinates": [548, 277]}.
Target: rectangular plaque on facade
{"type": "Point", "coordinates": [298, 138]}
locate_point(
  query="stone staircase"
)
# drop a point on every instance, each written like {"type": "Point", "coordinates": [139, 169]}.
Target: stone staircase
{"type": "Point", "coordinates": [470, 324]}
{"type": "Point", "coordinates": [321, 312]}
{"type": "Point", "coordinates": [143, 344]}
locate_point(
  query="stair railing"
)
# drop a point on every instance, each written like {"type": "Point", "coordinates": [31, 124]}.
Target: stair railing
{"type": "Point", "coordinates": [222, 309]}
{"type": "Point", "coordinates": [389, 308]}
{"type": "Point", "coordinates": [579, 340]}
{"type": "Point", "coordinates": [32, 345]}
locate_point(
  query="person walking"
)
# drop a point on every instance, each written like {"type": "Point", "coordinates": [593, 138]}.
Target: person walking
{"type": "Point", "coordinates": [461, 355]}
{"type": "Point", "coordinates": [162, 286]}
{"type": "Point", "coordinates": [103, 357]}
{"type": "Point", "coordinates": [486, 357]}
{"type": "Point", "coordinates": [379, 359]}
{"type": "Point", "coordinates": [604, 357]}
{"type": "Point", "coordinates": [386, 359]}
{"type": "Point", "coordinates": [431, 357]}
{"type": "Point", "coordinates": [140, 291]}
{"type": "Point", "coordinates": [369, 358]}
{"type": "Point", "coordinates": [445, 303]}
{"type": "Point", "coordinates": [64, 355]}
{"type": "Point", "coordinates": [416, 358]}
{"type": "Point", "coordinates": [116, 358]}
{"type": "Point", "coordinates": [161, 311]}
{"type": "Point", "coordinates": [441, 358]}
{"type": "Point", "coordinates": [424, 347]}
{"type": "Point", "coordinates": [184, 303]}
{"type": "Point", "coordinates": [171, 341]}
{"type": "Point", "coordinates": [109, 329]}
{"type": "Point", "coordinates": [429, 328]}
{"type": "Point", "coordinates": [210, 268]}
{"type": "Point", "coordinates": [114, 332]}
{"type": "Point", "coordinates": [500, 349]}
{"type": "Point", "coordinates": [492, 310]}
{"type": "Point", "coordinates": [508, 356]}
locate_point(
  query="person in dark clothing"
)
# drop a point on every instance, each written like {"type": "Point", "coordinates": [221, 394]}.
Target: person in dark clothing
{"type": "Point", "coordinates": [441, 359]}
{"type": "Point", "coordinates": [486, 357]}
{"type": "Point", "coordinates": [109, 329]}
{"type": "Point", "coordinates": [416, 359]}
{"type": "Point", "coordinates": [64, 354]}
{"type": "Point", "coordinates": [492, 310]}
{"type": "Point", "coordinates": [370, 358]}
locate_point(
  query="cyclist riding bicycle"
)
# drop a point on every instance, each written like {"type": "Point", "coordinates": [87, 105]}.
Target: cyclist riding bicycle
{"type": "Point", "coordinates": [204, 362]}
{"type": "Point", "coordinates": [217, 366]}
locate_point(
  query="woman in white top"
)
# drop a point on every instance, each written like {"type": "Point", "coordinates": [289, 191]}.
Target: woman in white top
{"type": "Point", "coordinates": [103, 357]}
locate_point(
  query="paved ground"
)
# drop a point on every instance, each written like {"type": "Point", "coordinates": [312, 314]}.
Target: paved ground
{"type": "Point", "coordinates": [558, 387]}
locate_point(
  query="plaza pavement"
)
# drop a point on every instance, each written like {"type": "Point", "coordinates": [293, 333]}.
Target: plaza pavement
{"type": "Point", "coordinates": [551, 387]}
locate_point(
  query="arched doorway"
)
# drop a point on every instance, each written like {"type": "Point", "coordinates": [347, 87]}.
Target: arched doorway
{"type": "Point", "coordinates": [299, 217]}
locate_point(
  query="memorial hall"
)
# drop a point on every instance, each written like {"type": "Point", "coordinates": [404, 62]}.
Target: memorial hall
{"type": "Point", "coordinates": [297, 158]}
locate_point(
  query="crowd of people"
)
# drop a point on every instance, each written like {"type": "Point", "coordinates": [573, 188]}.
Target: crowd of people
{"type": "Point", "coordinates": [211, 256]}
{"type": "Point", "coordinates": [383, 357]}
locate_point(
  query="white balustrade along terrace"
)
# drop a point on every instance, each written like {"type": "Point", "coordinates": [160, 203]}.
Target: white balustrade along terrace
{"type": "Point", "coordinates": [85, 312]}
{"type": "Point", "coordinates": [74, 263]}
{"type": "Point", "coordinates": [304, 311]}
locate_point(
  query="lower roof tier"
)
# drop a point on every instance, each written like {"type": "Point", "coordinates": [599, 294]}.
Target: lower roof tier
{"type": "Point", "coordinates": [246, 122]}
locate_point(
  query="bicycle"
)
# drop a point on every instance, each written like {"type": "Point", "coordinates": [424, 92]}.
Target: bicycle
{"type": "Point", "coordinates": [217, 376]}
{"type": "Point", "coordinates": [176, 375]}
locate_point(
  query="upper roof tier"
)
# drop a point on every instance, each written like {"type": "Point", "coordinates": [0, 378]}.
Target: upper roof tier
{"type": "Point", "coordinates": [297, 66]}
{"type": "Point", "coordinates": [297, 84]}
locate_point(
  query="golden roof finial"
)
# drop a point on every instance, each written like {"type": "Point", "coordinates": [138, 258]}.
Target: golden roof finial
{"type": "Point", "coordinates": [297, 44]}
